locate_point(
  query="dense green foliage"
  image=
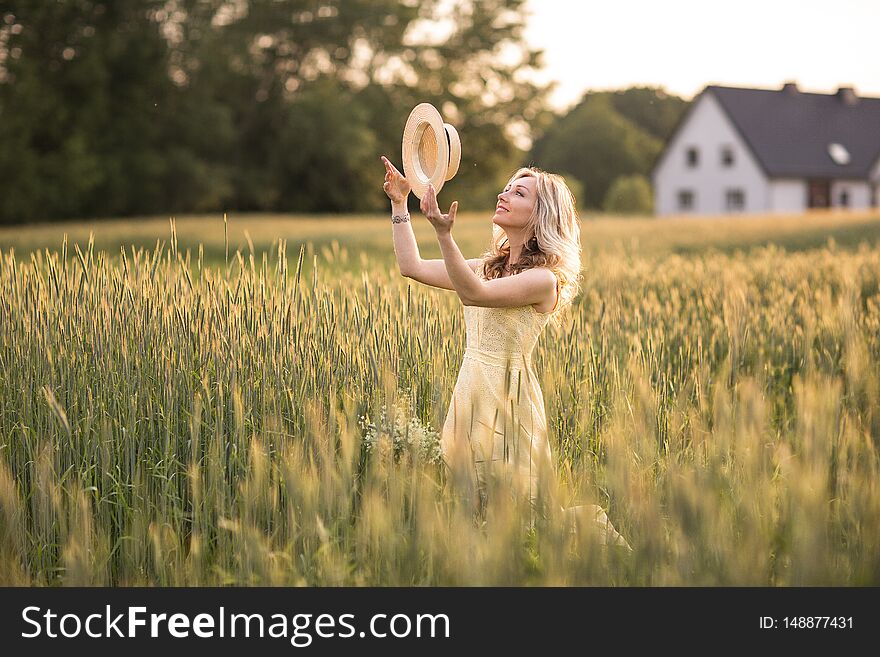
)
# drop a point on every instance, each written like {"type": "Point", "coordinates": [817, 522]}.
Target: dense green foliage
{"type": "Point", "coordinates": [607, 135]}
{"type": "Point", "coordinates": [629, 195]}
{"type": "Point", "coordinates": [147, 106]}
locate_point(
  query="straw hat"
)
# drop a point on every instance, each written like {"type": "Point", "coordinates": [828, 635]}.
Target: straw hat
{"type": "Point", "coordinates": [431, 149]}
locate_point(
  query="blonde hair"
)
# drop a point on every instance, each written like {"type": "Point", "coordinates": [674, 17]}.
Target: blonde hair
{"type": "Point", "coordinates": [555, 241]}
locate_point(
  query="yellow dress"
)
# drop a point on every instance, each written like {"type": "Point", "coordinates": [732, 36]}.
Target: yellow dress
{"type": "Point", "coordinates": [496, 412]}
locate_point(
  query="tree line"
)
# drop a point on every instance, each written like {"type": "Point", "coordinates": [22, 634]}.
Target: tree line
{"type": "Point", "coordinates": [136, 107]}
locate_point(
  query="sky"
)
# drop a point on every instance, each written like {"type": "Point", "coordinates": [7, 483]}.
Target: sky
{"type": "Point", "coordinates": [683, 45]}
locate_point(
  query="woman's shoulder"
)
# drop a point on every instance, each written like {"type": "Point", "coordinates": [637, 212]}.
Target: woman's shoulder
{"type": "Point", "coordinates": [546, 272]}
{"type": "Point", "coordinates": [552, 281]}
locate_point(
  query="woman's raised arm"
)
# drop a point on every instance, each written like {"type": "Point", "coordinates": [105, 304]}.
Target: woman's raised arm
{"type": "Point", "coordinates": [406, 248]}
{"type": "Point", "coordinates": [433, 272]}
{"type": "Point", "coordinates": [410, 262]}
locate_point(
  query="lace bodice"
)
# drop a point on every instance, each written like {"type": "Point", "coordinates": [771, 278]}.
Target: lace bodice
{"type": "Point", "coordinates": [508, 330]}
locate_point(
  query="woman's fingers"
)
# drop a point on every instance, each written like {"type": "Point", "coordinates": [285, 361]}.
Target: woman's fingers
{"type": "Point", "coordinates": [431, 202]}
{"type": "Point", "coordinates": [391, 168]}
{"type": "Point", "coordinates": [428, 205]}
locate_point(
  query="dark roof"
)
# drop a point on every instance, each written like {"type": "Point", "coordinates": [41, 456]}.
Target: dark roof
{"type": "Point", "coordinates": [789, 130]}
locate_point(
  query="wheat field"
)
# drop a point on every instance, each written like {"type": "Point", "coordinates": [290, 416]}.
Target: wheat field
{"type": "Point", "coordinates": [257, 403]}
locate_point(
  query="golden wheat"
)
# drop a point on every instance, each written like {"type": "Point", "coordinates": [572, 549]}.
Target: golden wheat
{"type": "Point", "coordinates": [170, 421]}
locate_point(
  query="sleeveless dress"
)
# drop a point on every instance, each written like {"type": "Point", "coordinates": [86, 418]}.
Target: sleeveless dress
{"type": "Point", "coordinates": [496, 413]}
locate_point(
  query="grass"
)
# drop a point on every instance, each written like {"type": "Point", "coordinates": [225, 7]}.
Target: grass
{"type": "Point", "coordinates": [631, 236]}
{"type": "Point", "coordinates": [170, 419]}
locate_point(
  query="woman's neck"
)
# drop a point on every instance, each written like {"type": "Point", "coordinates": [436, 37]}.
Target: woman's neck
{"type": "Point", "coordinates": [516, 246]}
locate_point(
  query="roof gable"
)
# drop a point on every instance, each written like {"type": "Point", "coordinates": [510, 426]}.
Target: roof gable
{"type": "Point", "coordinates": [685, 120]}
{"type": "Point", "coordinates": [789, 131]}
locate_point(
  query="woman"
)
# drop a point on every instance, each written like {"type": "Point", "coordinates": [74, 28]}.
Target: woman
{"type": "Point", "coordinates": [528, 276]}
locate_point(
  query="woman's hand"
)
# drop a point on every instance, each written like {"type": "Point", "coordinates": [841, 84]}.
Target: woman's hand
{"type": "Point", "coordinates": [396, 185]}
{"type": "Point", "coordinates": [442, 223]}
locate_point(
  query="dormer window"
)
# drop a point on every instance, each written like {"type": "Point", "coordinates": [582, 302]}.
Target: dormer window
{"type": "Point", "coordinates": [692, 157]}
{"type": "Point", "coordinates": [726, 156]}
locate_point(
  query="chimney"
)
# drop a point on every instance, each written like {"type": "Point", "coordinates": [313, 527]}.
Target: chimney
{"type": "Point", "coordinates": [847, 95]}
{"type": "Point", "coordinates": [790, 88]}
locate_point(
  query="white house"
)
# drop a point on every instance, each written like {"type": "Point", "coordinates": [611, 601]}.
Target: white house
{"type": "Point", "coordinates": [763, 150]}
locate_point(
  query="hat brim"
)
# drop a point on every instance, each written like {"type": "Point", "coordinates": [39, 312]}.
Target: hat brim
{"type": "Point", "coordinates": [426, 149]}
{"type": "Point", "coordinates": [454, 151]}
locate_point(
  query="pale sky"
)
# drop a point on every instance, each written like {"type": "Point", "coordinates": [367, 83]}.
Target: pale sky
{"type": "Point", "coordinates": [684, 45]}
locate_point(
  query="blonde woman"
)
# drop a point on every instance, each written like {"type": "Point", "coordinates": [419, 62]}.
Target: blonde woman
{"type": "Point", "coordinates": [528, 276]}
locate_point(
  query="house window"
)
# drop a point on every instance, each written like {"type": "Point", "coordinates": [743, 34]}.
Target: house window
{"type": "Point", "coordinates": [685, 200]}
{"type": "Point", "coordinates": [692, 156]}
{"type": "Point", "coordinates": [735, 200]}
{"type": "Point", "coordinates": [726, 156]}
{"type": "Point", "coordinates": [844, 198]}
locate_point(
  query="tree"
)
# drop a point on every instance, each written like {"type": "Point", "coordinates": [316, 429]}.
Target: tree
{"type": "Point", "coordinates": [72, 68]}
{"type": "Point", "coordinates": [143, 106]}
{"type": "Point", "coordinates": [607, 135]}
{"type": "Point", "coordinates": [595, 144]}
{"type": "Point", "coordinates": [461, 71]}
{"type": "Point", "coordinates": [327, 153]}
{"type": "Point", "coordinates": [629, 195]}
{"type": "Point", "coordinates": [651, 108]}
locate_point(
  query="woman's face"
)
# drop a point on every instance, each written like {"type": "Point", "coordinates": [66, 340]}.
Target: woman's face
{"type": "Point", "coordinates": [515, 203]}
